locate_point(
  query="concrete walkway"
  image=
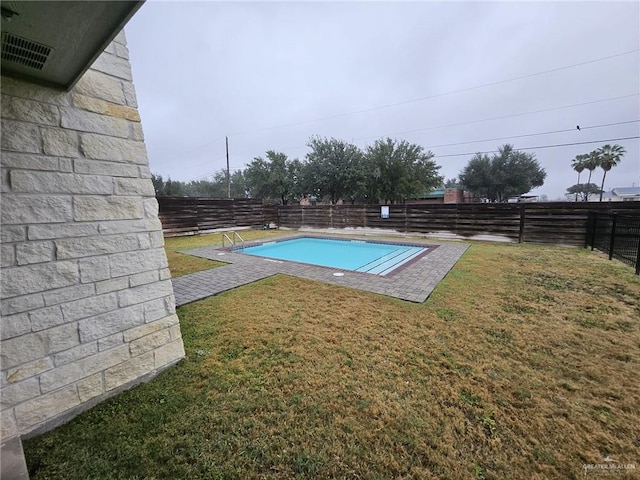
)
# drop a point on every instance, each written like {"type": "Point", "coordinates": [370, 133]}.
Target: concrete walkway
{"type": "Point", "coordinates": [13, 465]}
{"type": "Point", "coordinates": [413, 282]}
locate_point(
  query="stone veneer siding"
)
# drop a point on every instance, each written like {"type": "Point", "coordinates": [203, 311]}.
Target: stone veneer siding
{"type": "Point", "coordinates": [87, 303]}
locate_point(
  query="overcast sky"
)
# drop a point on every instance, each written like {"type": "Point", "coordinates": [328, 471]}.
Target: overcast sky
{"type": "Point", "coordinates": [271, 74]}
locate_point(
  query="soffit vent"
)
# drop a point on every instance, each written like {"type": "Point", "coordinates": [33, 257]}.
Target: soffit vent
{"type": "Point", "coordinates": [24, 52]}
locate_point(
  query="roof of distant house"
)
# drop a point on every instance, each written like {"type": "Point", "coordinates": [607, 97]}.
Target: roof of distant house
{"type": "Point", "coordinates": [626, 191]}
{"type": "Point", "coordinates": [439, 193]}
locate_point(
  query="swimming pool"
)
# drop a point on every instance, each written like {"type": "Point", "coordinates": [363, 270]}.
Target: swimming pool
{"type": "Point", "coordinates": [356, 255]}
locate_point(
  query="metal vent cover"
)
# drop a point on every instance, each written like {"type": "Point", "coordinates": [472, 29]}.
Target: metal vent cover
{"type": "Point", "coordinates": [24, 52]}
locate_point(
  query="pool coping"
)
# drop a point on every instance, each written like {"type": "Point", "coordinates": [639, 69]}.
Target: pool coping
{"type": "Point", "coordinates": [430, 247]}
{"type": "Point", "coordinates": [413, 282]}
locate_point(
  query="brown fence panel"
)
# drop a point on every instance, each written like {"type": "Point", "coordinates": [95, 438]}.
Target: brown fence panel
{"type": "Point", "coordinates": [316, 216]}
{"type": "Point", "coordinates": [566, 223]}
{"type": "Point", "coordinates": [248, 213]}
{"type": "Point", "coordinates": [178, 215]}
{"type": "Point", "coordinates": [465, 219]}
{"type": "Point", "coordinates": [431, 218]}
{"type": "Point", "coordinates": [355, 216]}
{"type": "Point", "coordinates": [270, 214]}
{"type": "Point", "coordinates": [289, 216]}
{"type": "Point", "coordinates": [555, 224]}
{"type": "Point", "coordinates": [192, 215]}
{"type": "Point", "coordinates": [348, 216]}
{"type": "Point", "coordinates": [214, 213]}
{"type": "Point", "coordinates": [489, 219]}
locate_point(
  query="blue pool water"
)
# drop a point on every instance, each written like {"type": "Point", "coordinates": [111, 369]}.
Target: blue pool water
{"type": "Point", "coordinates": [356, 255]}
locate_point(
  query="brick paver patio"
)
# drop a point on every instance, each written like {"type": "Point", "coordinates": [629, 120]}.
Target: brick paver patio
{"type": "Point", "coordinates": [413, 282]}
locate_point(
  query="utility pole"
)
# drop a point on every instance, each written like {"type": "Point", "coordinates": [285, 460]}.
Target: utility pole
{"type": "Point", "coordinates": [226, 141]}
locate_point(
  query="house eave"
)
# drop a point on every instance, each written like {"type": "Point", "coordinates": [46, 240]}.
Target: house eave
{"type": "Point", "coordinates": [54, 43]}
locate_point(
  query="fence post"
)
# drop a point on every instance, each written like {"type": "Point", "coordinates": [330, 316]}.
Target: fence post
{"type": "Point", "coordinates": [521, 228]}
{"type": "Point", "coordinates": [587, 233]}
{"type": "Point", "coordinates": [364, 217]}
{"type": "Point", "coordinates": [405, 218]}
{"type": "Point", "coordinates": [196, 214]}
{"type": "Point", "coordinates": [638, 259]}
{"type": "Point", "coordinates": [613, 235]}
{"type": "Point", "coordinates": [593, 232]}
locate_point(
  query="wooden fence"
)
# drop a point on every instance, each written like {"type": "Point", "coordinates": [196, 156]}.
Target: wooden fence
{"type": "Point", "coordinates": [563, 223]}
{"type": "Point", "coordinates": [192, 215]}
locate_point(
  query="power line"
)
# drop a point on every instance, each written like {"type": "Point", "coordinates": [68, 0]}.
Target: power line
{"type": "Point", "coordinates": [213, 173]}
{"type": "Point", "coordinates": [542, 146]}
{"type": "Point", "coordinates": [532, 134]}
{"type": "Point", "coordinates": [508, 116]}
{"type": "Point", "coordinates": [600, 59]}
{"type": "Point", "coordinates": [442, 94]}
{"type": "Point", "coordinates": [507, 138]}
{"type": "Point", "coordinates": [484, 119]}
{"type": "Point", "coordinates": [588, 127]}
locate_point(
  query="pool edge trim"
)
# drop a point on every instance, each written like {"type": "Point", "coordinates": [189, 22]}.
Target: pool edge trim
{"type": "Point", "coordinates": [256, 243]}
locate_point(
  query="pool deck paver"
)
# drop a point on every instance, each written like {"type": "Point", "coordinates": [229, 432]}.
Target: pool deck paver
{"type": "Point", "coordinates": [413, 282]}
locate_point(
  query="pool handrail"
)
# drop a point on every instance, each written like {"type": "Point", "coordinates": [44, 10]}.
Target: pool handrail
{"type": "Point", "coordinates": [232, 239]}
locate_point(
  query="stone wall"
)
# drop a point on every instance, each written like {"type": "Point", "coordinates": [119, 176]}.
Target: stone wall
{"type": "Point", "coordinates": [87, 303]}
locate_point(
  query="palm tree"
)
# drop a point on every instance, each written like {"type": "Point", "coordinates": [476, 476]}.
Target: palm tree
{"type": "Point", "coordinates": [591, 162]}
{"type": "Point", "coordinates": [578, 164]}
{"type": "Point", "coordinates": [610, 156]}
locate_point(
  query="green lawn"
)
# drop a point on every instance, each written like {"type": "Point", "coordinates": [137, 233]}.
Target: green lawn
{"type": "Point", "coordinates": [523, 363]}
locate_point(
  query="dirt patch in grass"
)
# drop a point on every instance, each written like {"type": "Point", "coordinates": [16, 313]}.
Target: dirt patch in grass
{"type": "Point", "coordinates": [523, 363]}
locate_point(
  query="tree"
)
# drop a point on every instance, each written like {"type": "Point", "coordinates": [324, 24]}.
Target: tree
{"type": "Point", "coordinates": [578, 164]}
{"type": "Point", "coordinates": [452, 183]}
{"type": "Point", "coordinates": [399, 169]}
{"type": "Point", "coordinates": [333, 169]}
{"type": "Point", "coordinates": [509, 173]}
{"type": "Point", "coordinates": [216, 187]}
{"type": "Point", "coordinates": [168, 188]}
{"type": "Point", "coordinates": [591, 162]}
{"type": "Point", "coordinates": [206, 188]}
{"type": "Point", "coordinates": [583, 190]}
{"type": "Point", "coordinates": [273, 177]}
{"type": "Point", "coordinates": [610, 156]}
{"type": "Point", "coordinates": [257, 177]}
{"type": "Point", "coordinates": [477, 176]}
{"type": "Point", "coordinates": [158, 184]}
{"type": "Point", "coordinates": [238, 185]}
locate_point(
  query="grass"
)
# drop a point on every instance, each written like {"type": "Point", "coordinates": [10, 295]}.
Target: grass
{"type": "Point", "coordinates": [523, 363]}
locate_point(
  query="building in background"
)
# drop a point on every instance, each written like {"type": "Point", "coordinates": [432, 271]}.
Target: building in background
{"type": "Point", "coordinates": [444, 195]}
{"type": "Point", "coordinates": [618, 194]}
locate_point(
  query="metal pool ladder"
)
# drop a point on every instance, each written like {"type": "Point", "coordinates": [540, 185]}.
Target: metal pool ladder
{"type": "Point", "coordinates": [235, 236]}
